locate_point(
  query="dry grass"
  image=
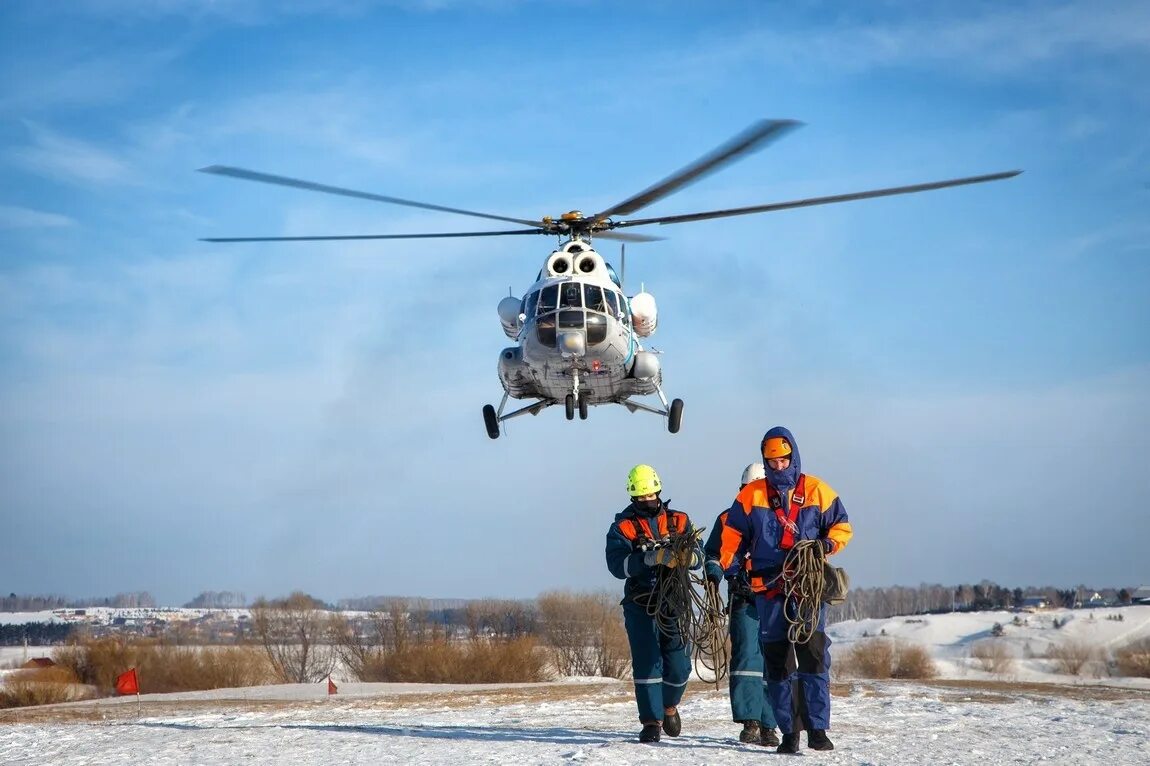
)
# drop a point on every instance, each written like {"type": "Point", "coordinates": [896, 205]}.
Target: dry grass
{"type": "Point", "coordinates": [881, 658]}
{"type": "Point", "coordinates": [1134, 659]}
{"type": "Point", "coordinates": [40, 686]}
{"type": "Point", "coordinates": [164, 668]}
{"type": "Point", "coordinates": [473, 662]}
{"type": "Point", "coordinates": [992, 656]}
{"type": "Point", "coordinates": [1070, 657]}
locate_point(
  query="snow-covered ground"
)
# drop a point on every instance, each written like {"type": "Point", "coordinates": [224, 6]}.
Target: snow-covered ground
{"type": "Point", "coordinates": [964, 718]}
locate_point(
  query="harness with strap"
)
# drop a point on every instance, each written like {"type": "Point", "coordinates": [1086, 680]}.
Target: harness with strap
{"type": "Point", "coordinates": [789, 523]}
{"type": "Point", "coordinates": [638, 529]}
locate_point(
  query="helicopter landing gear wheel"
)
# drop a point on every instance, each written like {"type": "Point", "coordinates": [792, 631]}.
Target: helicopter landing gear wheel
{"type": "Point", "coordinates": [582, 408]}
{"type": "Point", "coordinates": [675, 416]}
{"type": "Point", "coordinates": [570, 404]}
{"type": "Point", "coordinates": [491, 421]}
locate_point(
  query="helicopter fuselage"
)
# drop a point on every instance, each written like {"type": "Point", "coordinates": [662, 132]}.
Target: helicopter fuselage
{"type": "Point", "coordinates": [577, 334]}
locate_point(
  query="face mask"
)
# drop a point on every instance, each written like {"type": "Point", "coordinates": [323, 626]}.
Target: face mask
{"type": "Point", "coordinates": [648, 507]}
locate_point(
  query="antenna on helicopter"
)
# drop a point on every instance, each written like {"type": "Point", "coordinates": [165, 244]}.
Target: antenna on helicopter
{"type": "Point", "coordinates": [622, 265]}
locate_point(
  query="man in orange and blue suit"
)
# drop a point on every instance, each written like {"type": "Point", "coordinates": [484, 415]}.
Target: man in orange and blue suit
{"type": "Point", "coordinates": [770, 516]}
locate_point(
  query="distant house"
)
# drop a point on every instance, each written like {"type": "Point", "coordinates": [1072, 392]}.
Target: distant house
{"type": "Point", "coordinates": [1097, 599]}
{"type": "Point", "coordinates": [37, 663]}
{"type": "Point", "coordinates": [1034, 603]}
{"type": "Point", "coordinates": [1141, 595]}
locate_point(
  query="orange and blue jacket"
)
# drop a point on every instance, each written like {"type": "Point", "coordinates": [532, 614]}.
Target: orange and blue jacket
{"type": "Point", "coordinates": [768, 522]}
{"type": "Point", "coordinates": [631, 535]}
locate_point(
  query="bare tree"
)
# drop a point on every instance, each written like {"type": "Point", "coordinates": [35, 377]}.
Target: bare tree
{"type": "Point", "coordinates": [294, 631]}
{"type": "Point", "coordinates": [585, 634]}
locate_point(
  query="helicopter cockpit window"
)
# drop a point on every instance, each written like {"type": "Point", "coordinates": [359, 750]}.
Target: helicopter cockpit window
{"type": "Point", "coordinates": [548, 299]}
{"type": "Point", "coordinates": [596, 329]}
{"type": "Point", "coordinates": [529, 306]}
{"type": "Point", "coordinates": [545, 330]}
{"type": "Point", "coordinates": [570, 320]}
{"type": "Point", "coordinates": [593, 297]}
{"type": "Point", "coordinates": [626, 309]}
{"type": "Point", "coordinates": [614, 277]}
{"type": "Point", "coordinates": [570, 296]}
{"type": "Point", "coordinates": [612, 306]}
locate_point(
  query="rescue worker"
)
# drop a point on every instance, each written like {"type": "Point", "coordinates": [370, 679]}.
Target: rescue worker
{"type": "Point", "coordinates": [770, 516]}
{"type": "Point", "coordinates": [637, 551]}
{"type": "Point", "coordinates": [748, 694]}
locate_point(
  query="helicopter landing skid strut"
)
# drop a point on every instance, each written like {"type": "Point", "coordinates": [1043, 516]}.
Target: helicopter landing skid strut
{"type": "Point", "coordinates": [673, 411]}
{"type": "Point", "coordinates": [492, 417]}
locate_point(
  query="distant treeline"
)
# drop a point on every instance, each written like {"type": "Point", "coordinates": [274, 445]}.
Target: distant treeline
{"type": "Point", "coordinates": [861, 603]}
{"type": "Point", "coordinates": [15, 603]}
{"type": "Point", "coordinates": [864, 603]}
{"type": "Point", "coordinates": [35, 633]}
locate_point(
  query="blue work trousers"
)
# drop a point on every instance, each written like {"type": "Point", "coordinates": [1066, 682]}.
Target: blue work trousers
{"type": "Point", "coordinates": [748, 692]}
{"type": "Point", "coordinates": [660, 664]}
{"type": "Point", "coordinates": [780, 675]}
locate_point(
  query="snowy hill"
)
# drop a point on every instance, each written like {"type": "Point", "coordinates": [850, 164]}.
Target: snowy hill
{"type": "Point", "coordinates": [960, 719]}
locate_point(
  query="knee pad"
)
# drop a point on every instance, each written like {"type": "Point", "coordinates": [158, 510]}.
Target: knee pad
{"type": "Point", "coordinates": [812, 655]}
{"type": "Point", "coordinates": [777, 659]}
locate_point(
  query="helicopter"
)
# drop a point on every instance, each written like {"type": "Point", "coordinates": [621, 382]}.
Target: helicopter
{"type": "Point", "coordinates": [577, 334]}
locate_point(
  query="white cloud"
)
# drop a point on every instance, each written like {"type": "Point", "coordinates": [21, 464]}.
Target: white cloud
{"type": "Point", "coordinates": [70, 159]}
{"type": "Point", "coordinates": [12, 217]}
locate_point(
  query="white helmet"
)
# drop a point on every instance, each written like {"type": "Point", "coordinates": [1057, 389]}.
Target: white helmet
{"type": "Point", "coordinates": [753, 472]}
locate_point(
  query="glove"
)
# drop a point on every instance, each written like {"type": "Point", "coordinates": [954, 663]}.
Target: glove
{"type": "Point", "coordinates": [714, 578]}
{"type": "Point", "coordinates": [828, 545]}
{"type": "Point", "coordinates": [664, 557]}
{"type": "Point", "coordinates": [690, 559]}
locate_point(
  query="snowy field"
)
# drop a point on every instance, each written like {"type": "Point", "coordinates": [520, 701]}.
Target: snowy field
{"type": "Point", "coordinates": [967, 717]}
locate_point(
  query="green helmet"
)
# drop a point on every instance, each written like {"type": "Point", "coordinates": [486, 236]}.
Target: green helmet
{"type": "Point", "coordinates": [643, 481]}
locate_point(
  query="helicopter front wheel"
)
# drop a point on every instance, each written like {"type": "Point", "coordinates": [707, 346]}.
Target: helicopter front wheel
{"type": "Point", "coordinates": [491, 421]}
{"type": "Point", "coordinates": [570, 406]}
{"type": "Point", "coordinates": [582, 407]}
{"type": "Point", "coordinates": [675, 416]}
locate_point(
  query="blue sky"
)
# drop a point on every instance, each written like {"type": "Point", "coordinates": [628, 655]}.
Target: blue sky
{"type": "Point", "coordinates": [969, 368]}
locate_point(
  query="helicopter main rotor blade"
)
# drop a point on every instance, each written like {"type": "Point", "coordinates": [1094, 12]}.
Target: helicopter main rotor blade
{"type": "Point", "coordinates": [620, 236]}
{"type": "Point", "coordinates": [345, 237]}
{"type": "Point", "coordinates": [754, 137]}
{"type": "Point", "coordinates": [268, 178]}
{"type": "Point", "coordinates": [821, 200]}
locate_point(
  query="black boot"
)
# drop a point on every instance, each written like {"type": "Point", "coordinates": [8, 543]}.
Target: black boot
{"type": "Point", "coordinates": [650, 733]}
{"type": "Point", "coordinates": [750, 732]}
{"type": "Point", "coordinates": [672, 724]}
{"type": "Point", "coordinates": [768, 738]}
{"type": "Point", "coordinates": [790, 744]}
{"type": "Point", "coordinates": [817, 740]}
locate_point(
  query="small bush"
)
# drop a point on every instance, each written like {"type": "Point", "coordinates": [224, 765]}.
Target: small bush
{"type": "Point", "coordinates": [40, 686]}
{"type": "Point", "coordinates": [1134, 659]}
{"type": "Point", "coordinates": [913, 661]}
{"type": "Point", "coordinates": [1070, 657]}
{"type": "Point", "coordinates": [992, 657]}
{"type": "Point", "coordinates": [872, 658]}
{"type": "Point", "coordinates": [883, 658]}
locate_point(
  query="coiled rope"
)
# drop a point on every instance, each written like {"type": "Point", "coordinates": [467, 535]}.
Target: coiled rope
{"type": "Point", "coordinates": [803, 582]}
{"type": "Point", "coordinates": [679, 609]}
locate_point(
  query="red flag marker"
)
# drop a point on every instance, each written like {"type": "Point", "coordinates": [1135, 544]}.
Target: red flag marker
{"type": "Point", "coordinates": [128, 683]}
{"type": "Point", "coordinates": [331, 687]}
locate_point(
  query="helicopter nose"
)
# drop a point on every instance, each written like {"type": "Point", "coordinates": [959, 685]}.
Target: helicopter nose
{"type": "Point", "coordinates": [572, 343]}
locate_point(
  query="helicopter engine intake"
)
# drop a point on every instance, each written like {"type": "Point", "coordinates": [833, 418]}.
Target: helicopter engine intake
{"type": "Point", "coordinates": [644, 314]}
